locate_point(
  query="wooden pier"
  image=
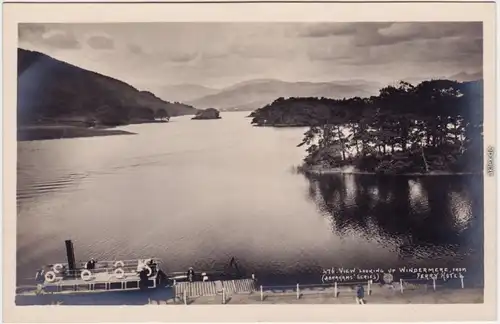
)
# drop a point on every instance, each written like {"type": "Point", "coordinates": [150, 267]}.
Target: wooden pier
{"type": "Point", "coordinates": [212, 288]}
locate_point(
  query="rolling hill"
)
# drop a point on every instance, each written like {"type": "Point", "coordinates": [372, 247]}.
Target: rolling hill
{"type": "Point", "coordinates": [49, 89]}
{"type": "Point", "coordinates": [185, 92]}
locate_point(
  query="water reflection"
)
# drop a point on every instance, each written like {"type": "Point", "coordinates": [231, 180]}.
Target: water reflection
{"type": "Point", "coordinates": [436, 218]}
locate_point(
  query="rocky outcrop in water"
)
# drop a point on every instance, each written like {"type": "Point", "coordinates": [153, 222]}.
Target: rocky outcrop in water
{"type": "Point", "coordinates": [210, 113]}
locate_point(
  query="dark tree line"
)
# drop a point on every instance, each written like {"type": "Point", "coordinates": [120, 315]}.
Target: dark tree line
{"type": "Point", "coordinates": [115, 115]}
{"type": "Point", "coordinates": [434, 126]}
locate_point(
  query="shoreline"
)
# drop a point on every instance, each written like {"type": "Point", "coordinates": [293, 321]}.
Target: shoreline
{"type": "Point", "coordinates": [379, 295]}
{"type": "Point", "coordinates": [54, 132]}
{"type": "Point", "coordinates": [326, 171]}
{"type": "Point", "coordinates": [281, 125]}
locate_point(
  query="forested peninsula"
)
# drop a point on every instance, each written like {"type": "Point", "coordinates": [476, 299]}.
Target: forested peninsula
{"type": "Point", "coordinates": [433, 127]}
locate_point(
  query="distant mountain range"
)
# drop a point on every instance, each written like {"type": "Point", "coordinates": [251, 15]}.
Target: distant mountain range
{"type": "Point", "coordinates": [466, 77]}
{"type": "Point", "coordinates": [460, 77]}
{"type": "Point", "coordinates": [56, 90]}
{"type": "Point", "coordinates": [255, 94]}
{"type": "Point", "coordinates": [185, 92]}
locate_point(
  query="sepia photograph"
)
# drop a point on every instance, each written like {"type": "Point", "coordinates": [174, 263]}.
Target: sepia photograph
{"type": "Point", "coordinates": [234, 163]}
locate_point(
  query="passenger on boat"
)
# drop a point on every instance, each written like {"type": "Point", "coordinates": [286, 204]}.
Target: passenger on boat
{"type": "Point", "coordinates": [151, 264]}
{"type": "Point", "coordinates": [190, 274]}
{"type": "Point", "coordinates": [90, 264]}
{"type": "Point", "coordinates": [162, 279]}
{"type": "Point", "coordinates": [39, 277]}
{"type": "Point", "coordinates": [143, 276]}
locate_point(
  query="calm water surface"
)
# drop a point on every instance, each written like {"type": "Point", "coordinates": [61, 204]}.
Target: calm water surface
{"type": "Point", "coordinates": [196, 193]}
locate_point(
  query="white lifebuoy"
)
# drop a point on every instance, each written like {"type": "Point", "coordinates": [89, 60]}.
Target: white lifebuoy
{"type": "Point", "coordinates": [119, 264]}
{"type": "Point", "coordinates": [50, 276]}
{"type": "Point", "coordinates": [86, 275]}
{"type": "Point", "coordinates": [119, 273]}
{"type": "Point", "coordinates": [57, 268]}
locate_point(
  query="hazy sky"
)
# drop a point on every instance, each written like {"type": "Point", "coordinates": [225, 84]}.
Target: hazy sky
{"type": "Point", "coordinates": [149, 55]}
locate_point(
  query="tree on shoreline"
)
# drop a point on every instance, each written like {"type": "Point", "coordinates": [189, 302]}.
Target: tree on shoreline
{"type": "Point", "coordinates": [162, 115]}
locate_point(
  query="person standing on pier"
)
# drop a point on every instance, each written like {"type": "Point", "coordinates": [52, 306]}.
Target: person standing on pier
{"type": "Point", "coordinates": [234, 265]}
{"type": "Point", "coordinates": [190, 274]}
{"type": "Point", "coordinates": [360, 294]}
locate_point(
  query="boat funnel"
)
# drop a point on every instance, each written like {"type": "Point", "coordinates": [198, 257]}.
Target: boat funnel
{"type": "Point", "coordinates": [70, 252]}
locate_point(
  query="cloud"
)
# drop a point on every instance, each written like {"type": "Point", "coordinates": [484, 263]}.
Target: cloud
{"type": "Point", "coordinates": [60, 39]}
{"type": "Point", "coordinates": [331, 49]}
{"type": "Point", "coordinates": [101, 42]}
{"type": "Point", "coordinates": [383, 34]}
{"type": "Point", "coordinates": [425, 30]}
{"type": "Point", "coordinates": [175, 57]}
{"type": "Point", "coordinates": [224, 53]}
{"type": "Point", "coordinates": [406, 32]}
{"type": "Point", "coordinates": [182, 57]}
{"type": "Point", "coordinates": [47, 36]}
{"type": "Point", "coordinates": [214, 54]}
{"type": "Point", "coordinates": [339, 29]}
{"type": "Point", "coordinates": [263, 50]}
{"type": "Point", "coordinates": [457, 51]}
{"type": "Point", "coordinates": [28, 32]}
{"type": "Point", "coordinates": [135, 49]}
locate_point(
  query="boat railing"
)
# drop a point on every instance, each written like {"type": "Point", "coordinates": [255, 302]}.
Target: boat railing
{"type": "Point", "coordinates": [110, 271]}
{"type": "Point", "coordinates": [58, 272]}
{"type": "Point", "coordinates": [106, 264]}
{"type": "Point", "coordinates": [199, 272]}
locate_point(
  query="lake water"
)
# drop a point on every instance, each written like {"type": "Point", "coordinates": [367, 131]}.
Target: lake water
{"type": "Point", "coordinates": [196, 193]}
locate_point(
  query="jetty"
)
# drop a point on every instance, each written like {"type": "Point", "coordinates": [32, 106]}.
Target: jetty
{"type": "Point", "coordinates": [213, 288]}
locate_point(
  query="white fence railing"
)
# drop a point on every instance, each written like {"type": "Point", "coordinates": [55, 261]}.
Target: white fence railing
{"type": "Point", "coordinates": [335, 288]}
{"type": "Point", "coordinates": [339, 289]}
{"type": "Point", "coordinates": [434, 282]}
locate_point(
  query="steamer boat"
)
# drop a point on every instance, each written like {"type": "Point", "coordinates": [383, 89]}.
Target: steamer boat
{"type": "Point", "coordinates": [123, 275]}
